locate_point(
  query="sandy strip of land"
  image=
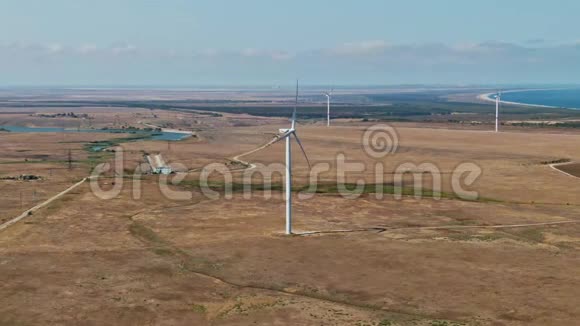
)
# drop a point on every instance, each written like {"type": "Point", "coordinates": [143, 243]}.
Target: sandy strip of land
{"type": "Point", "coordinates": [487, 97]}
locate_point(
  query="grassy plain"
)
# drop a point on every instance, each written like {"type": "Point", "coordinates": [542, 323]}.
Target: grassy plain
{"type": "Point", "coordinates": [509, 257]}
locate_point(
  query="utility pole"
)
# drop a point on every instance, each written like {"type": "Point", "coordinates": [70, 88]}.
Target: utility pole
{"type": "Point", "coordinates": [497, 103]}
{"type": "Point", "coordinates": [69, 159]}
{"type": "Point", "coordinates": [328, 111]}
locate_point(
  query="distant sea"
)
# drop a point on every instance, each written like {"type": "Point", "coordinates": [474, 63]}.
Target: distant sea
{"type": "Point", "coordinates": [563, 98]}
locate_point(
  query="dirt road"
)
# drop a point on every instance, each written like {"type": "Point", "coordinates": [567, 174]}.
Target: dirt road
{"type": "Point", "coordinates": [41, 205]}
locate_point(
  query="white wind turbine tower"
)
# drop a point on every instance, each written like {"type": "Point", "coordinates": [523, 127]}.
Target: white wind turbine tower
{"type": "Point", "coordinates": [497, 102]}
{"type": "Point", "coordinates": [328, 96]}
{"type": "Point", "coordinates": [287, 134]}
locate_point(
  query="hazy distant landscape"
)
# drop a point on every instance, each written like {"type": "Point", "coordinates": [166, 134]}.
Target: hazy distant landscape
{"type": "Point", "coordinates": [459, 105]}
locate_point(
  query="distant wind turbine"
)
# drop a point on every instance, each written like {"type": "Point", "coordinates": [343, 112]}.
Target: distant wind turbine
{"type": "Point", "coordinates": [497, 102]}
{"type": "Point", "coordinates": [287, 134]}
{"type": "Point", "coordinates": [328, 96]}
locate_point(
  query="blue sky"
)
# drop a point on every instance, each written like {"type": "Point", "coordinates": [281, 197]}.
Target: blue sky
{"type": "Point", "coordinates": [188, 42]}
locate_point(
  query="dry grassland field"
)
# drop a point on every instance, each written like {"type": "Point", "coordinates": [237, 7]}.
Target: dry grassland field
{"type": "Point", "coordinates": [507, 256]}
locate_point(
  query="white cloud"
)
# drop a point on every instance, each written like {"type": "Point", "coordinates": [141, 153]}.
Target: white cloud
{"type": "Point", "coordinates": [121, 49]}
{"type": "Point", "coordinates": [250, 52]}
{"type": "Point", "coordinates": [87, 49]}
{"type": "Point", "coordinates": [357, 60]}
{"type": "Point", "coordinates": [54, 48]}
{"type": "Point", "coordinates": [271, 54]}
{"type": "Point", "coordinates": [537, 41]}
{"type": "Point", "coordinates": [360, 48]}
{"type": "Point", "coordinates": [378, 50]}
{"type": "Point", "coordinates": [209, 52]}
{"type": "Point", "coordinates": [282, 55]}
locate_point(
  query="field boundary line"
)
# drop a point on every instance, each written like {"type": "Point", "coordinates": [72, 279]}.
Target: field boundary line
{"type": "Point", "coordinates": [381, 229]}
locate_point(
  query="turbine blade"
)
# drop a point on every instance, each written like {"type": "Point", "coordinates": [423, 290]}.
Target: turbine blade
{"type": "Point", "coordinates": [295, 106]}
{"type": "Point", "coordinates": [302, 148]}
{"type": "Point", "coordinates": [296, 103]}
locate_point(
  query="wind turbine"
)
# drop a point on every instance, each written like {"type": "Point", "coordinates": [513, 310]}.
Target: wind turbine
{"type": "Point", "coordinates": [328, 96]}
{"type": "Point", "coordinates": [497, 101]}
{"type": "Point", "coordinates": [287, 135]}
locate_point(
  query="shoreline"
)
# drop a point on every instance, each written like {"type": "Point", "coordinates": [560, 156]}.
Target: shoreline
{"type": "Point", "coordinates": [486, 97]}
{"type": "Point", "coordinates": [175, 131]}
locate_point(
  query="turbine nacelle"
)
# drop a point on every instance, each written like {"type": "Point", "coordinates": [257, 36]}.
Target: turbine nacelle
{"type": "Point", "coordinates": [286, 134]}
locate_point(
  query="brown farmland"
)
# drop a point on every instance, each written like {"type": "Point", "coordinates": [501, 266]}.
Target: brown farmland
{"type": "Point", "coordinates": [509, 257]}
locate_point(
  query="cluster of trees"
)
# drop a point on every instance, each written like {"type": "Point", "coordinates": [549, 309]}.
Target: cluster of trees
{"type": "Point", "coordinates": [63, 115]}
